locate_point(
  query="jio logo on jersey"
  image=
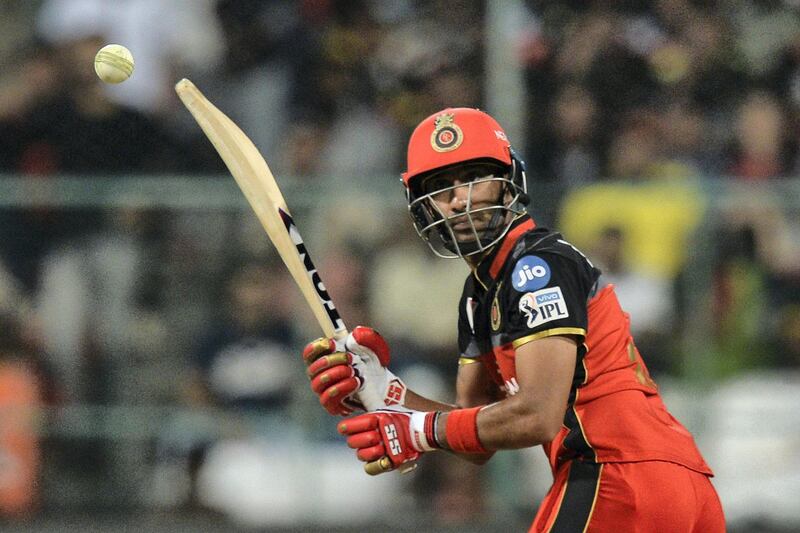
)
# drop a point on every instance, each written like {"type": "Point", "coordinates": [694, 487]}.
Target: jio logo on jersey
{"type": "Point", "coordinates": [530, 273]}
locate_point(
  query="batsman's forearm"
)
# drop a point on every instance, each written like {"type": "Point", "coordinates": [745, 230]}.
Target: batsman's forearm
{"type": "Point", "coordinates": [509, 424]}
{"type": "Point", "coordinates": [420, 403]}
{"type": "Point", "coordinates": [493, 428]}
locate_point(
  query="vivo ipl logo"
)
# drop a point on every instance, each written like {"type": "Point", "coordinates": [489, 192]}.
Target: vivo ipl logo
{"type": "Point", "coordinates": [530, 273]}
{"type": "Point", "coordinates": [322, 292]}
{"type": "Point", "coordinates": [549, 296]}
{"type": "Point", "coordinates": [543, 306]}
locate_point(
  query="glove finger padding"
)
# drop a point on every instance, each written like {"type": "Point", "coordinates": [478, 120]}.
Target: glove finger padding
{"type": "Point", "coordinates": [358, 424]}
{"type": "Point", "coordinates": [366, 439]}
{"type": "Point", "coordinates": [317, 348]}
{"type": "Point", "coordinates": [372, 453]}
{"type": "Point", "coordinates": [335, 399]}
{"type": "Point", "coordinates": [329, 361]}
{"type": "Point", "coordinates": [331, 377]}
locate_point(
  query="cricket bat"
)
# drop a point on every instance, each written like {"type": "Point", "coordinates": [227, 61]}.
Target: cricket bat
{"type": "Point", "coordinates": [258, 184]}
{"type": "Point", "coordinates": [256, 181]}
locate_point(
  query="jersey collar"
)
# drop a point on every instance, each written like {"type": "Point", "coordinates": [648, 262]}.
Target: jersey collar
{"type": "Point", "coordinates": [489, 267]}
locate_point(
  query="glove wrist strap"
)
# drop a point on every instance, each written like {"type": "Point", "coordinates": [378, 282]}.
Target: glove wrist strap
{"type": "Point", "coordinates": [422, 430]}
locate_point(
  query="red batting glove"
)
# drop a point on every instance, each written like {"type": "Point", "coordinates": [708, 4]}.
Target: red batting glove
{"type": "Point", "coordinates": [341, 371]}
{"type": "Point", "coordinates": [390, 438]}
{"type": "Point", "coordinates": [333, 376]}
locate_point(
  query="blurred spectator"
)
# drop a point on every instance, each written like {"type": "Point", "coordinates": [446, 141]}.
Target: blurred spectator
{"type": "Point", "coordinates": [242, 361]}
{"type": "Point", "coordinates": [658, 218]}
{"type": "Point", "coordinates": [576, 121]}
{"type": "Point", "coordinates": [343, 269]}
{"type": "Point", "coordinates": [756, 281]}
{"type": "Point", "coordinates": [70, 127]}
{"type": "Point", "coordinates": [787, 342]}
{"type": "Point", "coordinates": [784, 78]}
{"type": "Point", "coordinates": [243, 366]}
{"type": "Point", "coordinates": [77, 129]}
{"type": "Point", "coordinates": [687, 142]}
{"type": "Point", "coordinates": [91, 303]}
{"type": "Point", "coordinates": [21, 397]}
{"type": "Point", "coordinates": [740, 303]}
{"type": "Point", "coordinates": [714, 77]}
{"type": "Point", "coordinates": [429, 59]}
{"type": "Point", "coordinates": [761, 148]}
{"type": "Point", "coordinates": [168, 41]}
{"type": "Point", "coordinates": [299, 152]}
{"type": "Point", "coordinates": [403, 306]}
{"type": "Point", "coordinates": [647, 146]}
{"type": "Point", "coordinates": [13, 300]}
{"type": "Point", "coordinates": [358, 121]}
{"type": "Point", "coordinates": [265, 48]}
{"type": "Point", "coordinates": [762, 29]}
{"type": "Point", "coordinates": [634, 151]}
{"type": "Point", "coordinates": [16, 27]}
{"type": "Point", "coordinates": [30, 78]}
{"type": "Point", "coordinates": [647, 298]}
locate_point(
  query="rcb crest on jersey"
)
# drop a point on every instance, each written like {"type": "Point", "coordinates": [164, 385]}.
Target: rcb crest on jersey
{"type": "Point", "coordinates": [494, 313]}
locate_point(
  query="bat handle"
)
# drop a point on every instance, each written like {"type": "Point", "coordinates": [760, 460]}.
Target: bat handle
{"type": "Point", "coordinates": [371, 404]}
{"type": "Point", "coordinates": [384, 464]}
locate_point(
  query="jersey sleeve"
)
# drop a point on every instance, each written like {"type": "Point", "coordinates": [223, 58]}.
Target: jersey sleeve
{"type": "Point", "coordinates": [544, 294]}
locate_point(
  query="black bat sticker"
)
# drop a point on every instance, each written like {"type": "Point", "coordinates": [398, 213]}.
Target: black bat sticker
{"type": "Point", "coordinates": [322, 292]}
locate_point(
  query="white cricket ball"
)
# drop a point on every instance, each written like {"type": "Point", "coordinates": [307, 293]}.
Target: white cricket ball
{"type": "Point", "coordinates": [113, 63]}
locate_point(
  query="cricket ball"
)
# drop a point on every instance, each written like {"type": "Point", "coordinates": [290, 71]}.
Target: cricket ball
{"type": "Point", "coordinates": [113, 63]}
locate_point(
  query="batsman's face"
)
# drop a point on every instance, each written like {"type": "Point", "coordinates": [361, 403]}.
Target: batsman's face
{"type": "Point", "coordinates": [462, 192]}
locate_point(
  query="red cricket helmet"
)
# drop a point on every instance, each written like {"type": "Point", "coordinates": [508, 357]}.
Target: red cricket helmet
{"type": "Point", "coordinates": [457, 136]}
{"type": "Point", "coordinates": [452, 136]}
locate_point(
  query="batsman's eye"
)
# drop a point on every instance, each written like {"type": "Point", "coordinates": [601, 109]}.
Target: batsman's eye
{"type": "Point", "coordinates": [435, 183]}
{"type": "Point", "coordinates": [425, 212]}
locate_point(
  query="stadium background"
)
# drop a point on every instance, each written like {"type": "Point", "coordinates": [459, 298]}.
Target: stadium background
{"type": "Point", "coordinates": [661, 138]}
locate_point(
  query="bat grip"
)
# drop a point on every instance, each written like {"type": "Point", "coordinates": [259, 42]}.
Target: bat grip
{"type": "Point", "coordinates": [370, 401]}
{"type": "Point", "coordinates": [371, 404]}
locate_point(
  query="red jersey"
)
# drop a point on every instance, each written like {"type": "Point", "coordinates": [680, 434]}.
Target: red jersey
{"type": "Point", "coordinates": [534, 285]}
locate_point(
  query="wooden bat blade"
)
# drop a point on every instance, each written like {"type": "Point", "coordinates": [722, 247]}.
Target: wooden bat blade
{"type": "Point", "coordinates": [213, 121]}
{"type": "Point", "coordinates": [256, 181]}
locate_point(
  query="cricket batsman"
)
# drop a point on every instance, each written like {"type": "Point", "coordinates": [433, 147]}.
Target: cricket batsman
{"type": "Point", "coordinates": [546, 356]}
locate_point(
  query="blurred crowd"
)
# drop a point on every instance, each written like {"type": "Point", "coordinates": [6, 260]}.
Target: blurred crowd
{"type": "Point", "coordinates": [633, 111]}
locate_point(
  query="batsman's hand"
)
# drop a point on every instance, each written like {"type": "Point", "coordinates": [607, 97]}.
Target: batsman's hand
{"type": "Point", "coordinates": [346, 372]}
{"type": "Point", "coordinates": [391, 438]}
